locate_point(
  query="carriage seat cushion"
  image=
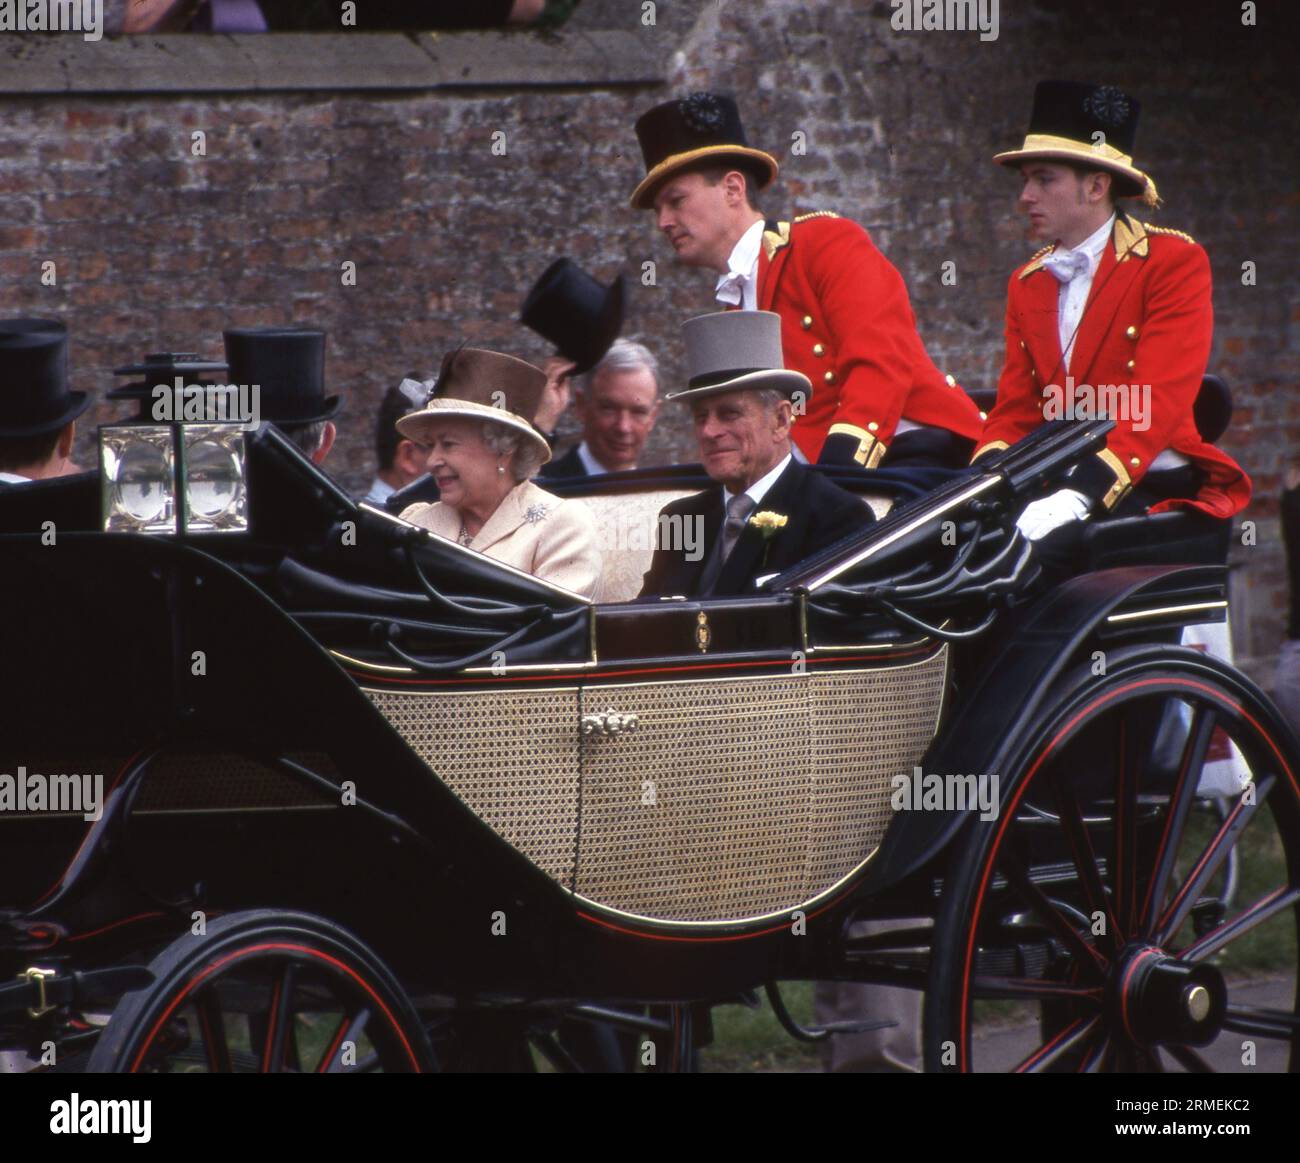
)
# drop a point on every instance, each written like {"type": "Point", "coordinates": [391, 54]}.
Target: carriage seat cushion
{"type": "Point", "coordinates": [626, 525]}
{"type": "Point", "coordinates": [1183, 536]}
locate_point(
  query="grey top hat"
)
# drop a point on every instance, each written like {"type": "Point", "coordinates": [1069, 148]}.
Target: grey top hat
{"type": "Point", "coordinates": [732, 351]}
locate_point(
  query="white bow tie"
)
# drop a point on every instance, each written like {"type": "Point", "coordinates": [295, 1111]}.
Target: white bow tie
{"type": "Point", "coordinates": [731, 288]}
{"type": "Point", "coordinates": [1067, 265]}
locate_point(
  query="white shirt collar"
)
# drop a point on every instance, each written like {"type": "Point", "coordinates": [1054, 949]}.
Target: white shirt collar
{"type": "Point", "coordinates": [742, 266]}
{"type": "Point", "coordinates": [592, 466]}
{"type": "Point", "coordinates": [759, 489]}
{"type": "Point", "coordinates": [380, 491]}
{"type": "Point", "coordinates": [12, 478]}
{"type": "Point", "coordinates": [1095, 243]}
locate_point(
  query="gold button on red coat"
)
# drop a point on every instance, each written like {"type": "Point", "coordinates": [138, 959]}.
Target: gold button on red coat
{"type": "Point", "coordinates": [819, 349]}
{"type": "Point", "coordinates": [807, 322]}
{"type": "Point", "coordinates": [1132, 332]}
{"type": "Point", "coordinates": [873, 427]}
{"type": "Point", "coordinates": [950, 381]}
{"type": "Point", "coordinates": [829, 377]}
{"type": "Point", "coordinates": [1132, 364]}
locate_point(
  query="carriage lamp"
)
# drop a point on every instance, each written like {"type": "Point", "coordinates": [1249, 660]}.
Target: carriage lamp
{"type": "Point", "coordinates": [136, 479]}
{"type": "Point", "coordinates": [212, 471]}
{"type": "Point", "coordinates": [173, 478]}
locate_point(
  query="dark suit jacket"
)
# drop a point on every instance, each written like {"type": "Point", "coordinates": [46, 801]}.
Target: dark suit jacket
{"type": "Point", "coordinates": [819, 513]}
{"type": "Point", "coordinates": [569, 465]}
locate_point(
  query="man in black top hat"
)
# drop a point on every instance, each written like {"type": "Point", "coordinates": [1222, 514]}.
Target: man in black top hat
{"type": "Point", "coordinates": [288, 366]}
{"type": "Point", "coordinates": [37, 411]}
{"type": "Point", "coordinates": [846, 321]}
{"type": "Point", "coordinates": [582, 318]}
{"type": "Point", "coordinates": [770, 512]}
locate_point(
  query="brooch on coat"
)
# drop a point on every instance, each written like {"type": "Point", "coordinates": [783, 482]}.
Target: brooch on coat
{"type": "Point", "coordinates": [535, 513]}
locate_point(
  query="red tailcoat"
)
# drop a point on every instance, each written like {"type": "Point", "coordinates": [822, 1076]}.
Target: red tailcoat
{"type": "Point", "coordinates": [847, 324]}
{"type": "Point", "coordinates": [1147, 325]}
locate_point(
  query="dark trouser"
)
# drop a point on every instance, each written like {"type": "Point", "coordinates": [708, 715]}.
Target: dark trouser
{"type": "Point", "coordinates": [1062, 553]}
{"type": "Point", "coordinates": [928, 448]}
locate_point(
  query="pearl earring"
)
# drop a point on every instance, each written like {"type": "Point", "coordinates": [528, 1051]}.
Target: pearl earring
{"type": "Point", "coordinates": [501, 469]}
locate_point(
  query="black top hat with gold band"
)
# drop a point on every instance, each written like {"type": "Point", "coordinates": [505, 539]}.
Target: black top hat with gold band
{"type": "Point", "coordinates": [1089, 125]}
{"type": "Point", "coordinates": [691, 130]}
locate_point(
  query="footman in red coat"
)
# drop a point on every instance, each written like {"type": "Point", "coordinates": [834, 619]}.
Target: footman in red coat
{"type": "Point", "coordinates": [846, 321]}
{"type": "Point", "coordinates": [1114, 315]}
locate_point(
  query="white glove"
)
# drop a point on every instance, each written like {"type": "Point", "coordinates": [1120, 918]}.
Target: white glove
{"type": "Point", "coordinates": [1041, 517]}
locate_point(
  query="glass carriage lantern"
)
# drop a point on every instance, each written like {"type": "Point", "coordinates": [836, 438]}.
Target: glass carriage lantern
{"type": "Point", "coordinates": [179, 467]}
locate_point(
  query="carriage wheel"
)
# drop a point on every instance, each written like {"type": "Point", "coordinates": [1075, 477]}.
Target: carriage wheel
{"type": "Point", "coordinates": [265, 992]}
{"type": "Point", "coordinates": [1091, 925]}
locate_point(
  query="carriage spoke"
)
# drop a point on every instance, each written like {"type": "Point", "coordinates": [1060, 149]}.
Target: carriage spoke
{"type": "Point", "coordinates": [1209, 862]}
{"type": "Point", "coordinates": [1096, 1058]}
{"type": "Point", "coordinates": [330, 1053]}
{"type": "Point", "coordinates": [1011, 988]}
{"type": "Point", "coordinates": [1085, 860]}
{"type": "Point", "coordinates": [278, 1019]}
{"type": "Point", "coordinates": [213, 1026]}
{"type": "Point", "coordinates": [1127, 773]}
{"type": "Point", "coordinates": [1067, 1040]}
{"type": "Point", "coordinates": [1189, 1059]}
{"type": "Point", "coordinates": [1262, 1023]}
{"type": "Point", "coordinates": [1192, 762]}
{"type": "Point", "coordinates": [355, 1028]}
{"type": "Point", "coordinates": [1241, 924]}
{"type": "Point", "coordinates": [1050, 913]}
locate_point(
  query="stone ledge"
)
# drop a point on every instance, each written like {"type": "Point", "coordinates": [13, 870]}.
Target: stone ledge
{"type": "Point", "coordinates": [332, 61]}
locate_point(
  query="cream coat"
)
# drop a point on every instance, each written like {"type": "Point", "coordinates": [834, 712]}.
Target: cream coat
{"type": "Point", "coordinates": [533, 530]}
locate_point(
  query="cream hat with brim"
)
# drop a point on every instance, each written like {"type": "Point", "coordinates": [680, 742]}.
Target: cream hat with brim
{"type": "Point", "coordinates": [474, 384]}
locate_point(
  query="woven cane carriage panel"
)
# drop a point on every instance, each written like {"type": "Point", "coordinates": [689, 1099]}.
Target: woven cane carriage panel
{"type": "Point", "coordinates": [199, 781]}
{"type": "Point", "coordinates": [766, 791]}
{"type": "Point", "coordinates": [511, 756]}
{"type": "Point", "coordinates": [727, 765]}
{"type": "Point", "coordinates": [868, 726]}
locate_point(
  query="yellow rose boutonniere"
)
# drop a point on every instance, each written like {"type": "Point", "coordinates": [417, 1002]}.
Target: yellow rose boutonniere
{"type": "Point", "coordinates": [769, 524]}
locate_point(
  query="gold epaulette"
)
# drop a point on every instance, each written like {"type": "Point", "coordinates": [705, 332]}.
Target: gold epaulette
{"type": "Point", "coordinates": [1037, 261]}
{"type": "Point", "coordinates": [817, 214]}
{"type": "Point", "coordinates": [1167, 230]}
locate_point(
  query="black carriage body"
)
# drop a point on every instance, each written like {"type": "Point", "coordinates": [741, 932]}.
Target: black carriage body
{"type": "Point", "coordinates": [505, 790]}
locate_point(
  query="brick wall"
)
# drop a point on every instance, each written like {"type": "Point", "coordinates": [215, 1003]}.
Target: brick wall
{"type": "Point", "coordinates": [156, 248]}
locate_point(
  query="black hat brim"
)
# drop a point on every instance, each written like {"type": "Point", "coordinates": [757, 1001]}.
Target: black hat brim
{"type": "Point", "coordinates": [77, 403]}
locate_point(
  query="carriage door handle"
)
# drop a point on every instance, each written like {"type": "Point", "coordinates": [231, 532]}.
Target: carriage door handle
{"type": "Point", "coordinates": [608, 722]}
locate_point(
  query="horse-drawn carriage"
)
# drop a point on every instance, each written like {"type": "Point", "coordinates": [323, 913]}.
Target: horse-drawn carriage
{"type": "Point", "coordinates": [375, 801]}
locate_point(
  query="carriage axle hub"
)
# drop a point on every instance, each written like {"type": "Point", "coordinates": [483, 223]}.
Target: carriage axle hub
{"type": "Point", "coordinates": [1158, 998]}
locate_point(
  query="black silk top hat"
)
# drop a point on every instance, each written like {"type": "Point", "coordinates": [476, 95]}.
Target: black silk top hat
{"type": "Point", "coordinates": [474, 384]}
{"type": "Point", "coordinates": [731, 351]}
{"type": "Point", "coordinates": [1091, 125]}
{"type": "Point", "coordinates": [34, 395]}
{"type": "Point", "coordinates": [691, 130]}
{"type": "Point", "coordinates": [289, 365]}
{"type": "Point", "coordinates": [570, 309]}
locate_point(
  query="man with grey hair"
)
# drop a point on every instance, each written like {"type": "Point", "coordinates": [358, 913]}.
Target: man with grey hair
{"type": "Point", "coordinates": [618, 403]}
{"type": "Point", "coordinates": [767, 511]}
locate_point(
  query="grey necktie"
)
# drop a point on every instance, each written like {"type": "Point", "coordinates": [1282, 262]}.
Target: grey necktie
{"type": "Point", "coordinates": [738, 511]}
